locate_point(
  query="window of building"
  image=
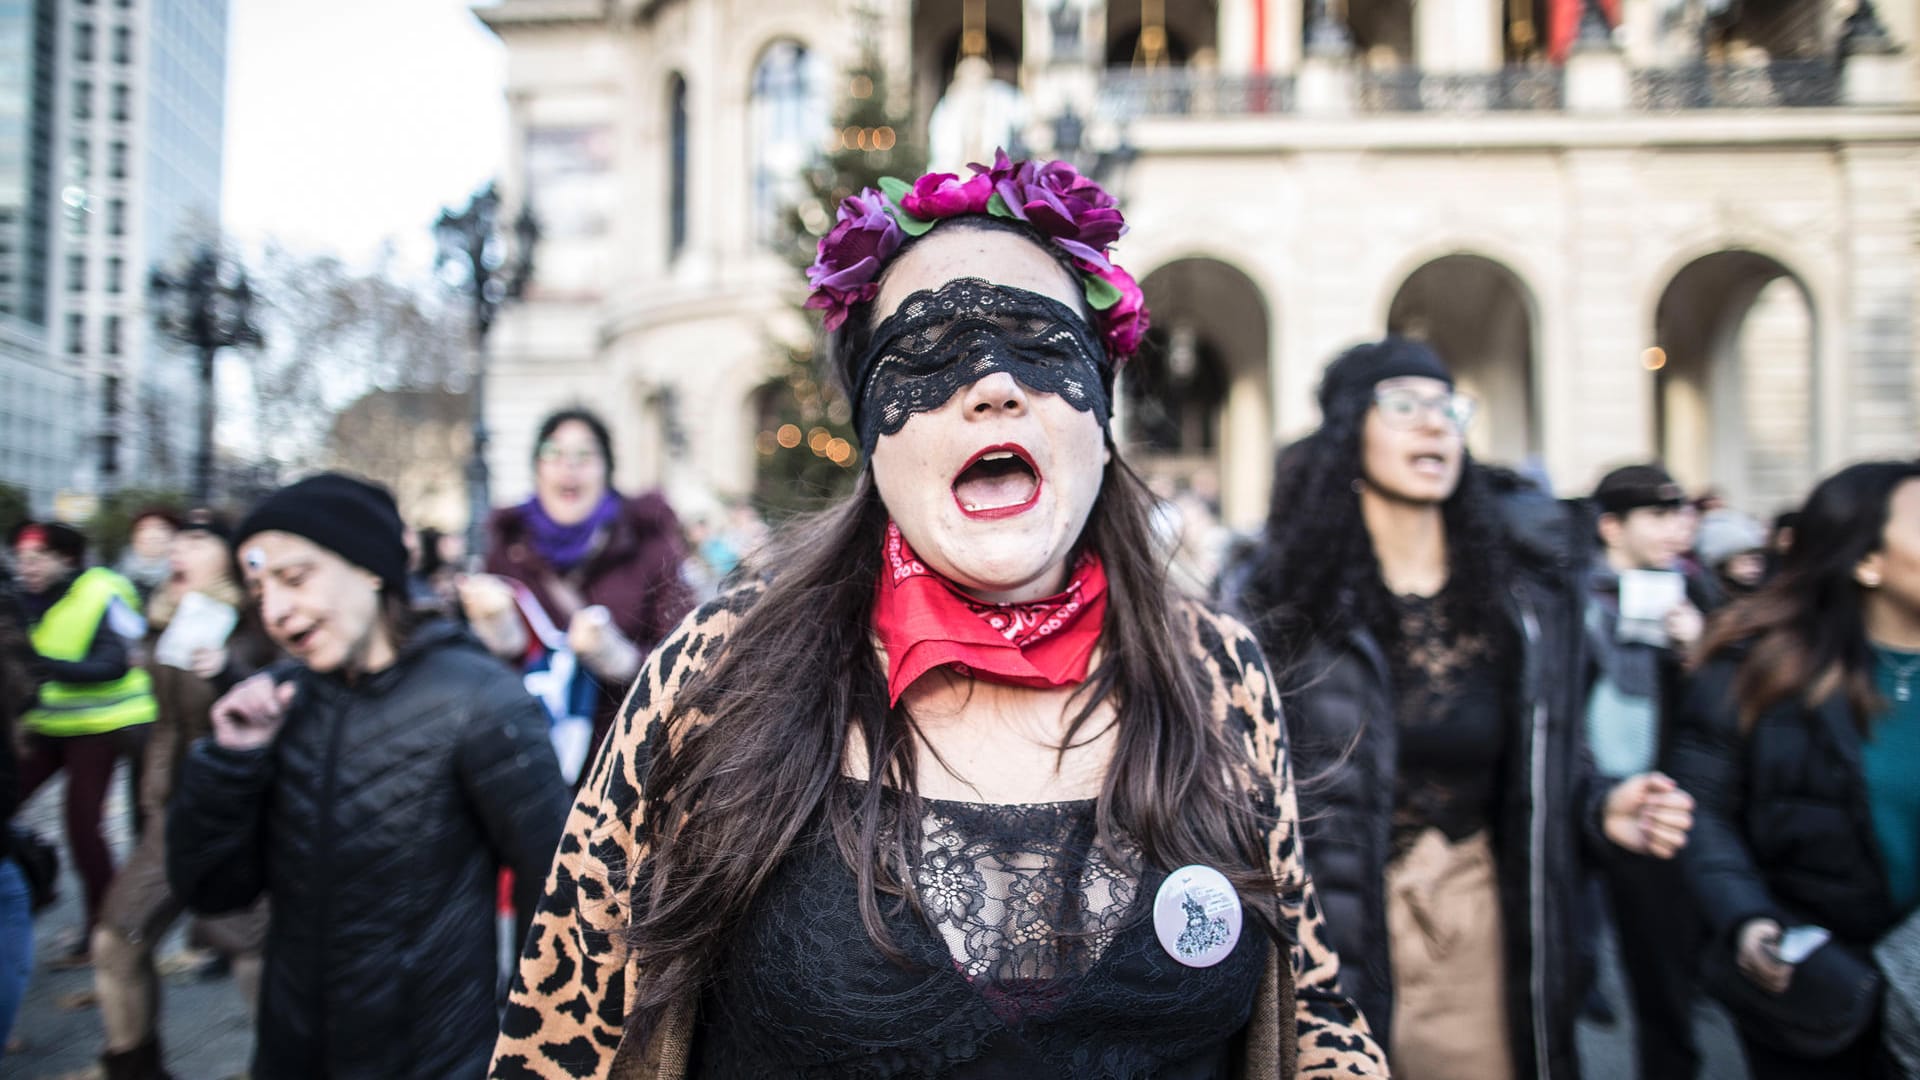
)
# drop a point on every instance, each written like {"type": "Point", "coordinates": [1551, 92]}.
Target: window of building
{"type": "Point", "coordinates": [112, 335]}
{"type": "Point", "coordinates": [117, 161]}
{"type": "Point", "coordinates": [788, 115]}
{"type": "Point", "coordinates": [79, 159]}
{"type": "Point", "coordinates": [122, 102]}
{"type": "Point", "coordinates": [76, 333]}
{"type": "Point", "coordinates": [122, 45]}
{"type": "Point", "coordinates": [76, 273]}
{"type": "Point", "coordinates": [116, 268]}
{"type": "Point", "coordinates": [82, 100]}
{"type": "Point", "coordinates": [83, 42]}
{"type": "Point", "coordinates": [677, 178]}
{"type": "Point", "coordinates": [110, 395]}
{"type": "Point", "coordinates": [117, 217]}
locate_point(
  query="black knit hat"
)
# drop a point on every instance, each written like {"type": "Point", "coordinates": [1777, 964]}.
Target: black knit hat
{"type": "Point", "coordinates": [210, 522]}
{"type": "Point", "coordinates": [1633, 487]}
{"type": "Point", "coordinates": [1358, 370]}
{"type": "Point", "coordinates": [57, 537]}
{"type": "Point", "coordinates": [352, 518]}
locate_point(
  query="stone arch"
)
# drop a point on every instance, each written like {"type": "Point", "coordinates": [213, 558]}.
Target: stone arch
{"type": "Point", "coordinates": [935, 41]}
{"type": "Point", "coordinates": [1196, 403]}
{"type": "Point", "coordinates": [1480, 315]}
{"type": "Point", "coordinates": [1735, 359]}
{"type": "Point", "coordinates": [1190, 31]}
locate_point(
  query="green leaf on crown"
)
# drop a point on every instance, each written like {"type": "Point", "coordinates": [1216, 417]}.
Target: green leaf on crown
{"type": "Point", "coordinates": [896, 189]}
{"type": "Point", "coordinates": [1101, 293]}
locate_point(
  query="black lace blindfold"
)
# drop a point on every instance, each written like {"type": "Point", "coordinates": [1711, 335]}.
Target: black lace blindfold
{"type": "Point", "coordinates": [942, 340]}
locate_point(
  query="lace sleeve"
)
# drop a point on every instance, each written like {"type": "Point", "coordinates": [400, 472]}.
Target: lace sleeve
{"type": "Point", "coordinates": [1334, 1039]}
{"type": "Point", "coordinates": [567, 1004]}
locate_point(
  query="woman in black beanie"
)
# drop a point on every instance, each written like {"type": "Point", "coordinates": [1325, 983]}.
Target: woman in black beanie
{"type": "Point", "coordinates": [373, 790]}
{"type": "Point", "coordinates": [1426, 613]}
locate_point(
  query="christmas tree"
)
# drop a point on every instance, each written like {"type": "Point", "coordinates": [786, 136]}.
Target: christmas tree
{"type": "Point", "coordinates": [808, 454]}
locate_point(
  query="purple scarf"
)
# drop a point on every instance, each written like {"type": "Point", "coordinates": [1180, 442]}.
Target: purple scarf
{"type": "Point", "coordinates": [564, 547]}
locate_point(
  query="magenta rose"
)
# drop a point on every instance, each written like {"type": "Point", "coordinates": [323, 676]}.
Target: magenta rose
{"type": "Point", "coordinates": [851, 255]}
{"type": "Point", "coordinates": [937, 196]}
{"type": "Point", "coordinates": [1126, 321]}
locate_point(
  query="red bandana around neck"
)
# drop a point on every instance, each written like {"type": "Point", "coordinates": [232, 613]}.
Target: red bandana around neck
{"type": "Point", "coordinates": [925, 621]}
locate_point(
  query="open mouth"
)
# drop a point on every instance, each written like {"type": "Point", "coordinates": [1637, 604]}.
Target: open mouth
{"type": "Point", "coordinates": [1430, 463]}
{"type": "Point", "coordinates": [998, 481]}
{"type": "Point", "coordinates": [297, 642]}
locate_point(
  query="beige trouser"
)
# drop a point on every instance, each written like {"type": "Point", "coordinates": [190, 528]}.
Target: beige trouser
{"type": "Point", "coordinates": [1449, 962]}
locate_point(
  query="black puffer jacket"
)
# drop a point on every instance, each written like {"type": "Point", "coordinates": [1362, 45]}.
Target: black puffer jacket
{"type": "Point", "coordinates": [1781, 825]}
{"type": "Point", "coordinates": [377, 822]}
{"type": "Point", "coordinates": [1346, 749]}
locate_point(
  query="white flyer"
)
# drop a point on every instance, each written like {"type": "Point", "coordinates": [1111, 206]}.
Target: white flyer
{"type": "Point", "coordinates": [200, 622]}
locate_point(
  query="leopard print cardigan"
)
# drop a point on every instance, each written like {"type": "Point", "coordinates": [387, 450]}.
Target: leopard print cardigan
{"type": "Point", "coordinates": [566, 1011]}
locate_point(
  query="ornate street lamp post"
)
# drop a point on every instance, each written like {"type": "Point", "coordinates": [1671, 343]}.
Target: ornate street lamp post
{"type": "Point", "coordinates": [469, 244]}
{"type": "Point", "coordinates": [208, 305]}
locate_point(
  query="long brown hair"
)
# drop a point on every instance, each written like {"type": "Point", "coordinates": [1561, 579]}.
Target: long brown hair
{"type": "Point", "coordinates": [1804, 632]}
{"type": "Point", "coordinates": [798, 672]}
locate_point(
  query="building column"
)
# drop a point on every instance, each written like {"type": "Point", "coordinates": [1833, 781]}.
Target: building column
{"type": "Point", "coordinates": [1458, 36]}
{"type": "Point", "coordinates": [1869, 402]}
{"type": "Point", "coordinates": [1596, 399]}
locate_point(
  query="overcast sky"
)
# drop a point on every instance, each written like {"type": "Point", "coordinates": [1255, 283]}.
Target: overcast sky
{"type": "Point", "coordinates": [351, 122]}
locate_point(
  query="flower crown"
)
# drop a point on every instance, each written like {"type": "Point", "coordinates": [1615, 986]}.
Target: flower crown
{"type": "Point", "coordinates": [1069, 209]}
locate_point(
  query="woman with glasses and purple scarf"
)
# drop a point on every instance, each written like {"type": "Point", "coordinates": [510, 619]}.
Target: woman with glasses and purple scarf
{"type": "Point", "coordinates": [1423, 614]}
{"type": "Point", "coordinates": [581, 581]}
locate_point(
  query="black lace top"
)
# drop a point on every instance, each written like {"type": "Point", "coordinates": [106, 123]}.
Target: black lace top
{"type": "Point", "coordinates": [1452, 724]}
{"type": "Point", "coordinates": [1036, 957]}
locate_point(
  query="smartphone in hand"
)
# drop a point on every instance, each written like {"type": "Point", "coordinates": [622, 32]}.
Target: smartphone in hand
{"type": "Point", "coordinates": [1800, 942]}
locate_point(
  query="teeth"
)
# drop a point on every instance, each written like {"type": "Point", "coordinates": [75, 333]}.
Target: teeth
{"type": "Point", "coordinates": [1002, 455]}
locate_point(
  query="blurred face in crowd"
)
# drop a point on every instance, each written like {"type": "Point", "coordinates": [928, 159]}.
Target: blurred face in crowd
{"type": "Point", "coordinates": [323, 610]}
{"type": "Point", "coordinates": [199, 561]}
{"type": "Point", "coordinates": [1892, 574]}
{"type": "Point", "coordinates": [1649, 537]}
{"type": "Point", "coordinates": [992, 488]}
{"type": "Point", "coordinates": [1745, 569]}
{"type": "Point", "coordinates": [152, 538]}
{"type": "Point", "coordinates": [39, 568]}
{"type": "Point", "coordinates": [569, 473]}
{"type": "Point", "coordinates": [1413, 444]}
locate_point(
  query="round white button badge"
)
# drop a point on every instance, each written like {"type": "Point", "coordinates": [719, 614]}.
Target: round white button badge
{"type": "Point", "coordinates": [1197, 916]}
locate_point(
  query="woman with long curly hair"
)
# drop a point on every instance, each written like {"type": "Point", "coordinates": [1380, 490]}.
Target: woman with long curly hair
{"type": "Point", "coordinates": [1801, 738]}
{"type": "Point", "coordinates": [961, 788]}
{"type": "Point", "coordinates": [1425, 612]}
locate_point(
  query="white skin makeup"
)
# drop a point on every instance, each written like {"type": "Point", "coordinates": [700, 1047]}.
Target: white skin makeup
{"type": "Point", "coordinates": [992, 488]}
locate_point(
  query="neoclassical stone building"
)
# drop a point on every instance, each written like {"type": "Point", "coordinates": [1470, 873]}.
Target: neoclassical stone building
{"type": "Point", "coordinates": [1684, 238]}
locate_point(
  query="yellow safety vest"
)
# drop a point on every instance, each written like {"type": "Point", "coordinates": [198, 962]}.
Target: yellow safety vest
{"type": "Point", "coordinates": [64, 633]}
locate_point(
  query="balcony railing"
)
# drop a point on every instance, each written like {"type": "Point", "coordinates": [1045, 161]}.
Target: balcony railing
{"type": "Point", "coordinates": [1402, 90]}
{"type": "Point", "coordinates": [1782, 84]}
{"type": "Point", "coordinates": [1174, 91]}
{"type": "Point", "coordinates": [1791, 84]}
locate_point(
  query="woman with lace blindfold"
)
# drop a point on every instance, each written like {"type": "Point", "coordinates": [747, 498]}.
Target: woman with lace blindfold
{"type": "Point", "coordinates": [962, 787]}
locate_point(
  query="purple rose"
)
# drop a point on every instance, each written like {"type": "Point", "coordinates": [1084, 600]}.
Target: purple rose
{"type": "Point", "coordinates": [851, 255]}
{"type": "Point", "coordinates": [1074, 211]}
{"type": "Point", "coordinates": [1126, 321]}
{"type": "Point", "coordinates": [936, 196]}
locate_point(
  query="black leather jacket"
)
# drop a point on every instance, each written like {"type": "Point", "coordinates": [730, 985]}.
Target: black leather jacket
{"type": "Point", "coordinates": [377, 822]}
{"type": "Point", "coordinates": [1340, 720]}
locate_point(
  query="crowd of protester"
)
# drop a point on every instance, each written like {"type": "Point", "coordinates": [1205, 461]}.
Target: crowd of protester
{"type": "Point", "coordinates": [1485, 724]}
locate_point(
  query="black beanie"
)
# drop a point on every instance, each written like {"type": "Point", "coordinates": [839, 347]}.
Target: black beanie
{"type": "Point", "coordinates": [1358, 370]}
{"type": "Point", "coordinates": [1632, 487]}
{"type": "Point", "coordinates": [351, 518]}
